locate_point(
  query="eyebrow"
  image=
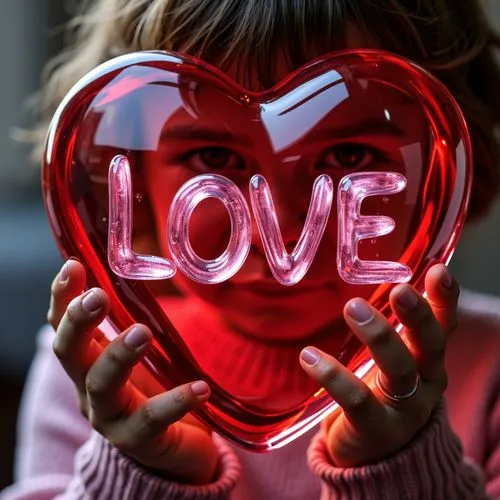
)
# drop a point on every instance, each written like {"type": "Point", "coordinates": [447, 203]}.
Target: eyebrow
{"type": "Point", "coordinates": [195, 132]}
{"type": "Point", "coordinates": [373, 126]}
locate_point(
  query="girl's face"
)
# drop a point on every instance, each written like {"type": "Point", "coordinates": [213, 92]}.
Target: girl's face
{"type": "Point", "coordinates": [218, 135]}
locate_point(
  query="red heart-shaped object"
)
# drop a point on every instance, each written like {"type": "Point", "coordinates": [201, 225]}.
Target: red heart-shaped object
{"type": "Point", "coordinates": [174, 118]}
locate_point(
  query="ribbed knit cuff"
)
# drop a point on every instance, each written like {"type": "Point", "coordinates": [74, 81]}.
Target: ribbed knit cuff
{"type": "Point", "coordinates": [107, 474]}
{"type": "Point", "coordinates": [431, 466]}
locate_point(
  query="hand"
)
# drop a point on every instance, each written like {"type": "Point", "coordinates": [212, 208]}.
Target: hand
{"type": "Point", "coordinates": [156, 432]}
{"type": "Point", "coordinates": [373, 422]}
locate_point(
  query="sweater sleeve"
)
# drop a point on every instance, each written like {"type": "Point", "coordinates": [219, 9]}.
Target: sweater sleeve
{"type": "Point", "coordinates": [492, 466]}
{"type": "Point", "coordinates": [58, 455]}
{"type": "Point", "coordinates": [102, 472]}
{"type": "Point", "coordinates": [431, 466]}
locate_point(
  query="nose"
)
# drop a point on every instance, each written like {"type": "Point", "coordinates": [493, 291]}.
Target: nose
{"type": "Point", "coordinates": [290, 215]}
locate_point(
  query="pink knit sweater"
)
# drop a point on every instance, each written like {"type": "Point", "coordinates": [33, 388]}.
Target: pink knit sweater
{"type": "Point", "coordinates": [456, 455]}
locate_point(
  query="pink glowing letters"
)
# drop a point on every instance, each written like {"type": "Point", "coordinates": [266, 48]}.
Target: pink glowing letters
{"type": "Point", "coordinates": [189, 196]}
{"type": "Point", "coordinates": [352, 227]}
{"type": "Point", "coordinates": [122, 260]}
{"type": "Point", "coordinates": [287, 268]}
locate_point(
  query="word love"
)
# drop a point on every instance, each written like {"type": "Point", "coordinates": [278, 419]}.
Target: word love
{"type": "Point", "coordinates": [287, 268]}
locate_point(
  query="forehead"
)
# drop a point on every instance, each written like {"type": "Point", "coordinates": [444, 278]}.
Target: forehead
{"type": "Point", "coordinates": [355, 38]}
{"type": "Point", "coordinates": [303, 119]}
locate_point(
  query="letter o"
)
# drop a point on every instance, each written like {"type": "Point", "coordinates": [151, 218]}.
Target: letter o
{"type": "Point", "coordinates": [186, 200]}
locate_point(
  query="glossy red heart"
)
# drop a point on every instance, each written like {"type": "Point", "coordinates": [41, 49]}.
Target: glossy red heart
{"type": "Point", "coordinates": [174, 118]}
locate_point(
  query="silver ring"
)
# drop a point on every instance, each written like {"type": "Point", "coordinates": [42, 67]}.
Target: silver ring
{"type": "Point", "coordinates": [397, 397]}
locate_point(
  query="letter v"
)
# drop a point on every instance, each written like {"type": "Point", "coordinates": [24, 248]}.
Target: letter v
{"type": "Point", "coordinates": [287, 268]}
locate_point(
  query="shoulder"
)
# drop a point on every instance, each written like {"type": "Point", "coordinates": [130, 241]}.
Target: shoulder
{"type": "Point", "coordinates": [479, 316]}
{"type": "Point", "coordinates": [44, 339]}
{"type": "Point", "coordinates": [474, 372]}
{"type": "Point", "coordinates": [50, 423]}
{"type": "Point", "coordinates": [473, 348]}
{"type": "Point", "coordinates": [47, 382]}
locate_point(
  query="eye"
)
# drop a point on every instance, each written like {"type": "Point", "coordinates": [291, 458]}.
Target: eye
{"type": "Point", "coordinates": [213, 159]}
{"type": "Point", "coordinates": [348, 156]}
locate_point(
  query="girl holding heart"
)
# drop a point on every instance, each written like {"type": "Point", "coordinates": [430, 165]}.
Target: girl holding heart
{"type": "Point", "coordinates": [428, 426]}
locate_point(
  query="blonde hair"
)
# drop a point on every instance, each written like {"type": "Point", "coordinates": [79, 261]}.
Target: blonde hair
{"type": "Point", "coordinates": [452, 39]}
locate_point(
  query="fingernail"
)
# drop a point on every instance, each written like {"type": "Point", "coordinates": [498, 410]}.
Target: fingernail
{"type": "Point", "coordinates": [310, 356]}
{"type": "Point", "coordinates": [359, 311]}
{"type": "Point", "coordinates": [408, 299]}
{"type": "Point", "coordinates": [63, 275]}
{"type": "Point", "coordinates": [446, 279]}
{"type": "Point", "coordinates": [135, 338]}
{"type": "Point", "coordinates": [199, 388]}
{"type": "Point", "coordinates": [91, 302]}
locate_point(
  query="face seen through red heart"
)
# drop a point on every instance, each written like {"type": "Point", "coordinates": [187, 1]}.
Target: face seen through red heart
{"type": "Point", "coordinates": [171, 123]}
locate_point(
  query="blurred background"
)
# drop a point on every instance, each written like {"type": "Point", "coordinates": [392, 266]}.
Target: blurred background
{"type": "Point", "coordinates": [30, 33]}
